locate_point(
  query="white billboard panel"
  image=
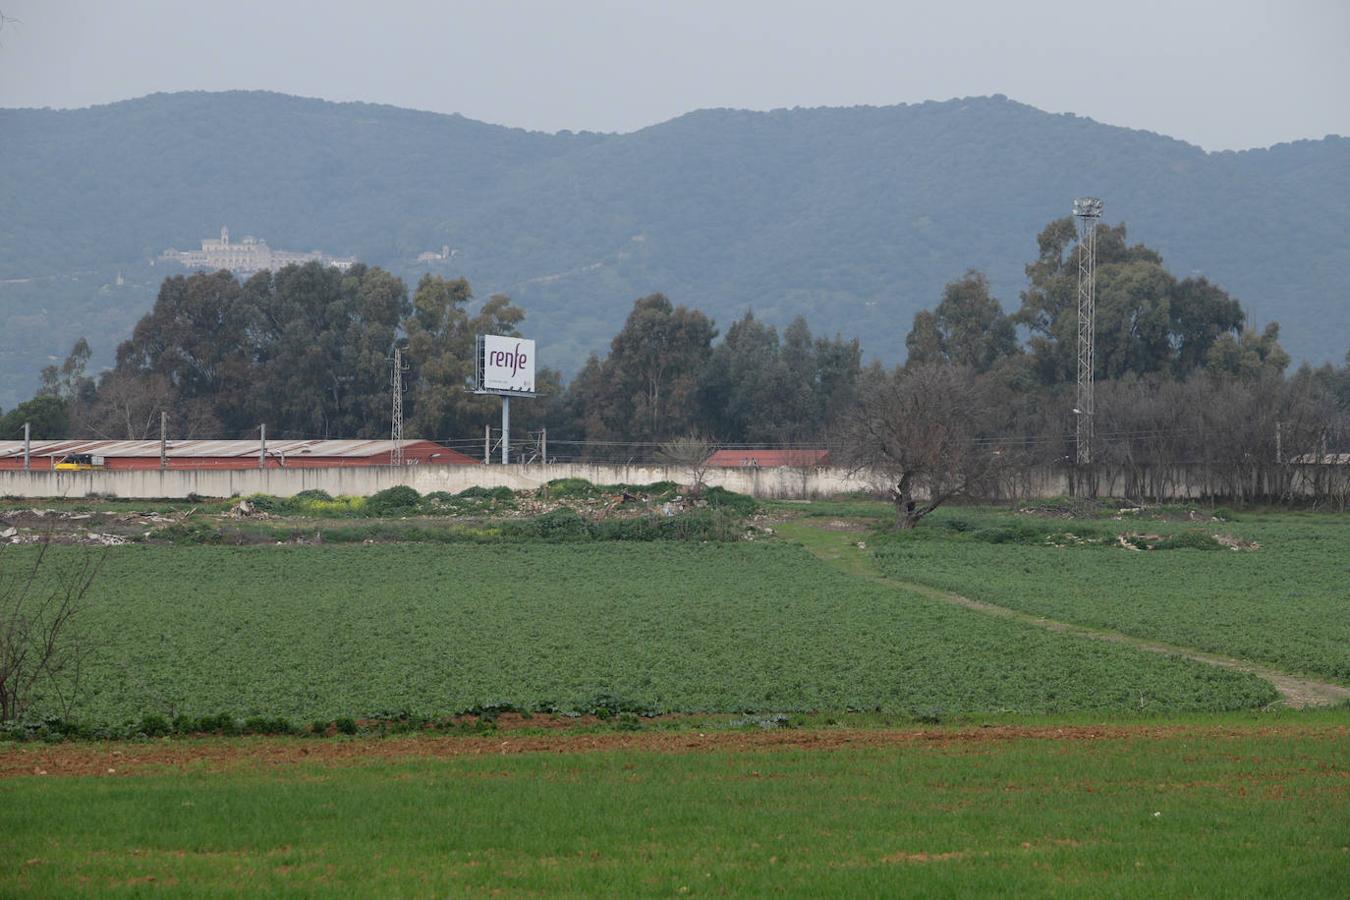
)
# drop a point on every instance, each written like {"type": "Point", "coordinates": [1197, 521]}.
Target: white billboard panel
{"type": "Point", "coordinates": [505, 364]}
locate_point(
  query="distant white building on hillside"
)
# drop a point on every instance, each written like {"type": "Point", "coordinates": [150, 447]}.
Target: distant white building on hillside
{"type": "Point", "coordinates": [436, 255]}
{"type": "Point", "coordinates": [248, 256]}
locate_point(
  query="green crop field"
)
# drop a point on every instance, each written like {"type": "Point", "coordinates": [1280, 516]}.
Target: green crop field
{"type": "Point", "coordinates": [1286, 603]}
{"type": "Point", "coordinates": [1227, 809]}
{"type": "Point", "coordinates": [1028, 760]}
{"type": "Point", "coordinates": [320, 632]}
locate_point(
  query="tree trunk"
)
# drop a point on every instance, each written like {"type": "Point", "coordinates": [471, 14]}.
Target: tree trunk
{"type": "Point", "coordinates": [907, 512]}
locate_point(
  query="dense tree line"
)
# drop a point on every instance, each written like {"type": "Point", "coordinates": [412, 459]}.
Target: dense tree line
{"type": "Point", "coordinates": [1184, 378]}
{"type": "Point", "coordinates": [1148, 321]}
{"type": "Point", "coordinates": [664, 377]}
{"type": "Point", "coordinates": [934, 431]}
{"type": "Point", "coordinates": [306, 351]}
{"type": "Point", "coordinates": [853, 218]}
{"type": "Point", "coordinates": [1189, 394]}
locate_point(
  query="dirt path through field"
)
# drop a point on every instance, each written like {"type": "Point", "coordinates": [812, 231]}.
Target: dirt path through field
{"type": "Point", "coordinates": [839, 547]}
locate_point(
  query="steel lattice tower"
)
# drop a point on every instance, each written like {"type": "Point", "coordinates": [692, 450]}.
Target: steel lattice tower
{"type": "Point", "coordinates": [1087, 210]}
{"type": "Point", "coordinates": [396, 383]}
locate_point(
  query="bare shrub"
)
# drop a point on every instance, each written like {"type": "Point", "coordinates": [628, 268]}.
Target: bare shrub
{"type": "Point", "coordinates": [691, 454]}
{"type": "Point", "coordinates": [40, 597]}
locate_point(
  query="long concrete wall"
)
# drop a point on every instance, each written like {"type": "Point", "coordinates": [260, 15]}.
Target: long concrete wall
{"type": "Point", "coordinates": [366, 480]}
{"type": "Point", "coordinates": [1181, 483]}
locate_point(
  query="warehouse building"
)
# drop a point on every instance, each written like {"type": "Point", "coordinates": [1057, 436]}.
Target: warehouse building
{"type": "Point", "coordinates": [278, 454]}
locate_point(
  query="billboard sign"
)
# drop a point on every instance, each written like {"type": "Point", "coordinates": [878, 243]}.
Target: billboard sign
{"type": "Point", "coordinates": [505, 365]}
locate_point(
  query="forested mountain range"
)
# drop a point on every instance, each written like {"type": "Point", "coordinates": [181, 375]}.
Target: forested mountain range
{"type": "Point", "coordinates": [852, 217]}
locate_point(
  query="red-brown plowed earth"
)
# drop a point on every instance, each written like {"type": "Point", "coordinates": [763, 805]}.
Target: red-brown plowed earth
{"type": "Point", "coordinates": [212, 754]}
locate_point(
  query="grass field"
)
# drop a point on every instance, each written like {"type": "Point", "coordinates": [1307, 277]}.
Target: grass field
{"type": "Point", "coordinates": [1233, 808]}
{"type": "Point", "coordinates": [1074, 767]}
{"type": "Point", "coordinates": [1286, 603]}
{"type": "Point", "coordinates": [320, 632]}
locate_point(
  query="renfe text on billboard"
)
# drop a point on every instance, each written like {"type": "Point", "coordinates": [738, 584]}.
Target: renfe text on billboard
{"type": "Point", "coordinates": [505, 364]}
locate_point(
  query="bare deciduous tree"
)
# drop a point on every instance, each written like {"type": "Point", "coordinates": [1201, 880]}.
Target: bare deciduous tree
{"type": "Point", "coordinates": [127, 407]}
{"type": "Point", "coordinates": [922, 430]}
{"type": "Point", "coordinates": [40, 596]}
{"type": "Point", "coordinates": [690, 453]}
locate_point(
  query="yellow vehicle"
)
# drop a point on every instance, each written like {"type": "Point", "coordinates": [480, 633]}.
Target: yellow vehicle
{"type": "Point", "coordinates": [79, 462]}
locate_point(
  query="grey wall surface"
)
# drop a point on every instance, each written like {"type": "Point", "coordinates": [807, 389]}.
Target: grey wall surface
{"type": "Point", "coordinates": [366, 480]}
{"type": "Point", "coordinates": [1172, 483]}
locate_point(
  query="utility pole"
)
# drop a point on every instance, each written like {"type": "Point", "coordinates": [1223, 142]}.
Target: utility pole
{"type": "Point", "coordinates": [262, 446]}
{"type": "Point", "coordinates": [396, 383]}
{"type": "Point", "coordinates": [27, 445]}
{"type": "Point", "coordinates": [163, 440]}
{"type": "Point", "coordinates": [1087, 210]}
{"type": "Point", "coordinates": [543, 445]}
{"type": "Point", "coordinates": [396, 430]}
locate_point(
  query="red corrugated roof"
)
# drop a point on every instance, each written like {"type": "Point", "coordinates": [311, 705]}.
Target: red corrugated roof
{"type": "Point", "coordinates": [187, 454]}
{"type": "Point", "coordinates": [768, 459]}
{"type": "Point", "coordinates": [350, 448]}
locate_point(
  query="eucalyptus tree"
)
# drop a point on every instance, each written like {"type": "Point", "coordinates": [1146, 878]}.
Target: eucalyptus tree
{"type": "Point", "coordinates": [967, 328]}
{"type": "Point", "coordinates": [440, 330]}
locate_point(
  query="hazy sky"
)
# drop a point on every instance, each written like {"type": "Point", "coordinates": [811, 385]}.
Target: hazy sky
{"type": "Point", "coordinates": [1225, 75]}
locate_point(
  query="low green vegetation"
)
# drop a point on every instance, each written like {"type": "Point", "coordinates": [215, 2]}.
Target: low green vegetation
{"type": "Point", "coordinates": [567, 525]}
{"type": "Point", "coordinates": [559, 526]}
{"type": "Point", "coordinates": [402, 501]}
{"type": "Point", "coordinates": [1270, 587]}
{"type": "Point", "coordinates": [310, 633]}
{"type": "Point", "coordinates": [568, 510]}
{"type": "Point", "coordinates": [475, 516]}
{"type": "Point", "coordinates": [423, 645]}
{"type": "Point", "coordinates": [1219, 811]}
{"type": "Point", "coordinates": [848, 507]}
{"type": "Point", "coordinates": [112, 505]}
{"type": "Point", "coordinates": [580, 488]}
{"type": "Point", "coordinates": [396, 502]}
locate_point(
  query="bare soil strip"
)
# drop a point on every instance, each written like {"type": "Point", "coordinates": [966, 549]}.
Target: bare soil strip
{"type": "Point", "coordinates": [214, 754]}
{"type": "Point", "coordinates": [839, 549]}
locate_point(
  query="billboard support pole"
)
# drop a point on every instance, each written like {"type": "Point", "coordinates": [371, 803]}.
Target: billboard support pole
{"type": "Point", "coordinates": [503, 366]}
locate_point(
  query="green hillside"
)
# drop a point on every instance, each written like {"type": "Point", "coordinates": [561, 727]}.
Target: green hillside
{"type": "Point", "coordinates": [853, 217]}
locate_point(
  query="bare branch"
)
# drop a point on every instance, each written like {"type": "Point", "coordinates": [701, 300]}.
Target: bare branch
{"type": "Point", "coordinates": [39, 601]}
{"type": "Point", "coordinates": [691, 454]}
{"type": "Point", "coordinates": [920, 429]}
